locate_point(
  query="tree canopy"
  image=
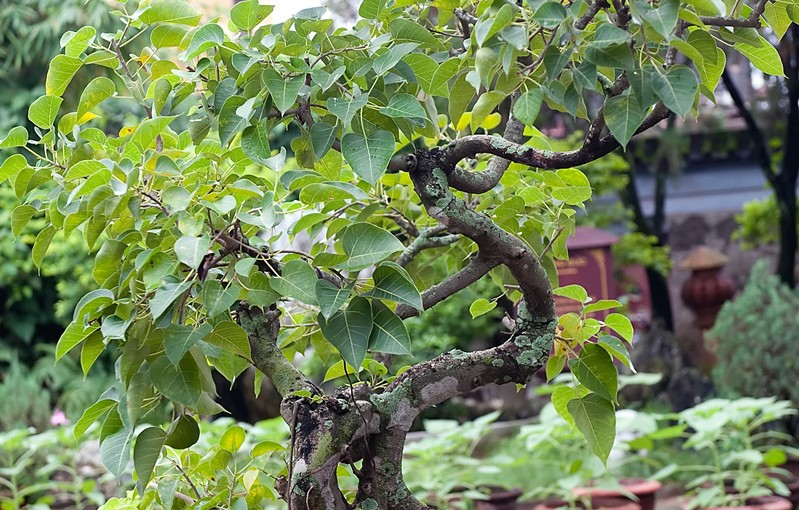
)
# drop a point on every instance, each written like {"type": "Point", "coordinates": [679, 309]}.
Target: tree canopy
{"type": "Point", "coordinates": [413, 168]}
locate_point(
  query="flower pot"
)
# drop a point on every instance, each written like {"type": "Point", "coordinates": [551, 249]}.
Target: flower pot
{"type": "Point", "coordinates": [597, 503]}
{"type": "Point", "coordinates": [761, 503]}
{"type": "Point", "coordinates": [644, 490]}
{"type": "Point", "coordinates": [500, 499]}
{"type": "Point", "coordinates": [792, 481]}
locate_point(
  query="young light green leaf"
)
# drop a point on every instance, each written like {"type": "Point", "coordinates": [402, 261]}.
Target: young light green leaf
{"type": "Point", "coordinates": [370, 9]}
{"type": "Point", "coordinates": [97, 91]}
{"type": "Point", "coordinates": [171, 11]}
{"type": "Point", "coordinates": [595, 417]}
{"type": "Point", "coordinates": [91, 350]}
{"type": "Point", "coordinates": [248, 14]}
{"type": "Point", "coordinates": [555, 366]}
{"type": "Point", "coordinates": [74, 334]}
{"type": "Point", "coordinates": [43, 111]}
{"type": "Point", "coordinates": [17, 137]}
{"type": "Point", "coordinates": [207, 37]}
{"type": "Point", "coordinates": [575, 292]}
{"type": "Point", "coordinates": [59, 74]}
{"type": "Point", "coordinates": [602, 304]}
{"type": "Point", "coordinates": [616, 348]}
{"type": "Point", "coordinates": [404, 30]}
{"type": "Point", "coordinates": [621, 325]}
{"type": "Point", "coordinates": [393, 283]}
{"type": "Point", "coordinates": [368, 155]}
{"type": "Point", "coordinates": [388, 333]}
{"type": "Point", "coordinates": [481, 306]}
{"type": "Point", "coordinates": [41, 244]}
{"type": "Point", "coordinates": [349, 330]}
{"type": "Point", "coordinates": [20, 217]}
{"type": "Point", "coordinates": [145, 454]}
{"type": "Point", "coordinates": [562, 395]}
{"type": "Point", "coordinates": [191, 250]}
{"type": "Point", "coordinates": [764, 56]}
{"type": "Point", "coordinates": [91, 415]}
{"type": "Point", "coordinates": [595, 370]}
{"type": "Point", "coordinates": [255, 143]}
{"type": "Point", "coordinates": [232, 439]}
{"type": "Point", "coordinates": [366, 244]}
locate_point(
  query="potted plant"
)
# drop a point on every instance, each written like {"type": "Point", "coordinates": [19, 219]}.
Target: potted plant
{"type": "Point", "coordinates": [742, 449]}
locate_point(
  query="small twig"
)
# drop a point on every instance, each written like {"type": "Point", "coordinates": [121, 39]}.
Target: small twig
{"type": "Point", "coordinates": [191, 484]}
{"type": "Point", "coordinates": [179, 495]}
{"type": "Point", "coordinates": [157, 202]}
{"type": "Point", "coordinates": [551, 241]}
{"type": "Point", "coordinates": [592, 11]}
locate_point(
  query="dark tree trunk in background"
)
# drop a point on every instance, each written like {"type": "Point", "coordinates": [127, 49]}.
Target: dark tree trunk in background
{"type": "Point", "coordinates": [658, 286]}
{"type": "Point", "coordinates": [782, 182]}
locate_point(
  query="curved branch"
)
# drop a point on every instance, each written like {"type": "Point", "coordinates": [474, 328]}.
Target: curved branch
{"type": "Point", "coordinates": [477, 267]}
{"type": "Point", "coordinates": [426, 238]}
{"type": "Point", "coordinates": [470, 146]}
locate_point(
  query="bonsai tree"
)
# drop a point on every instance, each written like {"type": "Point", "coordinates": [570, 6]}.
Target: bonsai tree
{"type": "Point", "coordinates": [413, 168]}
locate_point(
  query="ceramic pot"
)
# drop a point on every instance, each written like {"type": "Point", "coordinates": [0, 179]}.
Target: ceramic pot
{"type": "Point", "coordinates": [644, 490]}
{"type": "Point", "coordinates": [761, 503]}
{"type": "Point", "coordinates": [500, 499]}
{"type": "Point", "coordinates": [597, 503]}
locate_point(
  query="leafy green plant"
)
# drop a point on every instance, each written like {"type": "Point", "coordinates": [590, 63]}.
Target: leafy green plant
{"type": "Point", "coordinates": [213, 253]}
{"type": "Point", "coordinates": [742, 447]}
{"type": "Point", "coordinates": [757, 344]}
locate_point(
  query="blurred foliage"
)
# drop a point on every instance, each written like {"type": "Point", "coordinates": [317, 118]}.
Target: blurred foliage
{"type": "Point", "coordinates": [637, 248]}
{"type": "Point", "coordinates": [757, 223]}
{"type": "Point", "coordinates": [758, 339]}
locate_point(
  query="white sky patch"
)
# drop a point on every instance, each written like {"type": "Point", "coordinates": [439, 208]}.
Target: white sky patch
{"type": "Point", "coordinates": [284, 9]}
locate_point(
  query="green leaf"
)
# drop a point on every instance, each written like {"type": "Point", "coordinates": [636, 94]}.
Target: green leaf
{"type": "Point", "coordinates": [92, 348]}
{"type": "Point", "coordinates": [97, 91]}
{"type": "Point", "coordinates": [345, 109]}
{"type": "Point", "coordinates": [765, 56]}
{"type": "Point", "coordinates": [608, 34]}
{"type": "Point", "coordinates": [179, 338]}
{"type": "Point", "coordinates": [602, 304]}
{"type": "Point", "coordinates": [167, 36]}
{"type": "Point", "coordinates": [489, 26]}
{"type": "Point", "coordinates": [404, 30]}
{"type": "Point", "coordinates": [20, 217]}
{"type": "Point", "coordinates": [41, 244]}
{"type": "Point", "coordinates": [59, 74]}
{"type": "Point", "coordinates": [550, 14]}
{"type": "Point", "coordinates": [623, 116]}
{"type": "Point", "coordinates": [179, 383]}
{"type": "Point", "coordinates": [171, 11]}
{"type": "Point", "coordinates": [248, 14]}
{"type": "Point", "coordinates": [43, 111]}
{"type": "Point", "coordinates": [148, 130]}
{"type": "Point", "coordinates": [17, 137]}
{"type": "Point", "coordinates": [231, 337]}
{"type": "Point", "coordinates": [562, 395]}
{"type": "Point", "coordinates": [393, 283]}
{"type": "Point", "coordinates": [621, 325]}
{"type": "Point", "coordinates": [184, 432]}
{"type": "Point", "coordinates": [662, 18]}
{"type": "Point", "coordinates": [366, 244]}
{"type": "Point", "coordinates": [218, 300]}
{"type": "Point", "coordinates": [145, 454]}
{"type": "Point", "coordinates": [165, 296]}
{"type": "Point", "coordinates": [528, 105]}
{"type": "Point", "coordinates": [191, 250]}
{"type": "Point", "coordinates": [115, 451]}
{"type": "Point", "coordinates": [575, 292]}
{"type": "Point", "coordinates": [91, 415]}
{"type": "Point", "coordinates": [230, 122]}
{"type": "Point", "coordinates": [595, 417]}
{"type": "Point", "coordinates": [371, 8]}
{"type": "Point", "coordinates": [232, 439]}
{"type": "Point", "coordinates": [388, 332]}
{"type": "Point", "coordinates": [595, 370]}
{"type": "Point", "coordinates": [75, 43]}
{"type": "Point", "coordinates": [349, 330]}
{"type": "Point", "coordinates": [322, 137]}
{"type": "Point", "coordinates": [615, 56]}
{"type": "Point", "coordinates": [677, 88]}
{"type": "Point", "coordinates": [284, 90]}
{"type": "Point", "coordinates": [404, 106]}
{"type": "Point", "coordinates": [481, 306]}
{"type": "Point", "coordinates": [330, 297]}
{"type": "Point", "coordinates": [255, 143]}
{"type": "Point", "coordinates": [484, 106]}
{"type": "Point", "coordinates": [555, 366]}
{"type": "Point", "coordinates": [616, 348]}
{"type": "Point", "coordinates": [265, 447]}
{"type": "Point", "coordinates": [261, 292]}
{"type": "Point", "coordinates": [391, 58]}
{"type": "Point", "coordinates": [368, 155]}
{"type": "Point", "coordinates": [297, 281]}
